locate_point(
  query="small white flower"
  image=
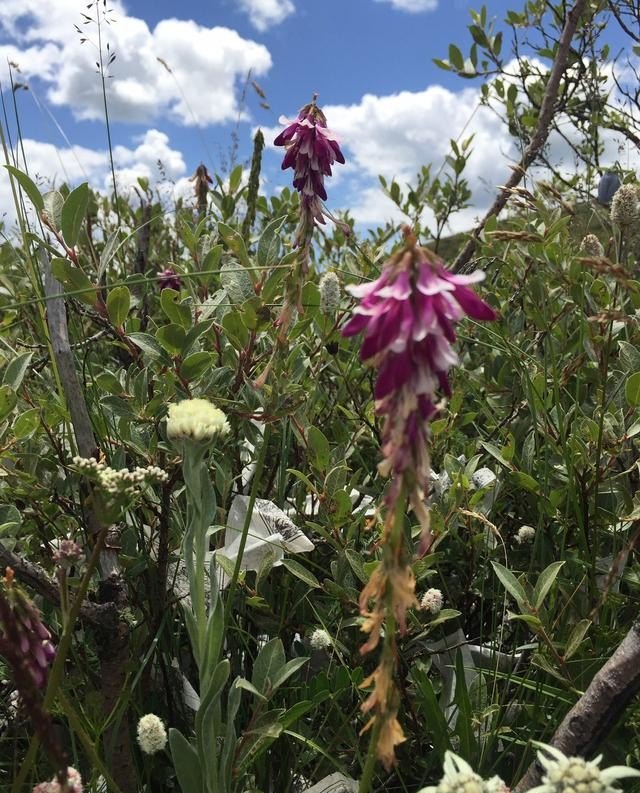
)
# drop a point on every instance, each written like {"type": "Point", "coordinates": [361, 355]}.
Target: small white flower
{"type": "Point", "coordinates": [197, 419]}
{"type": "Point", "coordinates": [432, 601]}
{"type": "Point", "coordinates": [320, 639]}
{"type": "Point", "coordinates": [329, 294]}
{"type": "Point", "coordinates": [459, 777]}
{"type": "Point", "coordinates": [152, 736]}
{"type": "Point", "coordinates": [525, 534]}
{"type": "Point", "coordinates": [575, 775]}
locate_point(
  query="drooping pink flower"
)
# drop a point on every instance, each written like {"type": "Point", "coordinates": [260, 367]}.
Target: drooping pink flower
{"type": "Point", "coordinates": [73, 784]}
{"type": "Point", "coordinates": [408, 318]}
{"type": "Point", "coordinates": [311, 151]}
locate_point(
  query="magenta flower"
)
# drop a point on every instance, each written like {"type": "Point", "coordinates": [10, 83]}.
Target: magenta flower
{"type": "Point", "coordinates": [408, 316]}
{"type": "Point", "coordinates": [311, 151]}
{"type": "Point", "coordinates": [169, 279]}
{"type": "Point", "coordinates": [32, 636]}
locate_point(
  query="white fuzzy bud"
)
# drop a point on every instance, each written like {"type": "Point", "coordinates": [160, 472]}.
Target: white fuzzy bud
{"type": "Point", "coordinates": [625, 206]}
{"type": "Point", "coordinates": [152, 736]}
{"type": "Point", "coordinates": [329, 294]}
{"type": "Point", "coordinates": [432, 601]}
{"type": "Point", "coordinates": [591, 246]}
{"type": "Point", "coordinates": [525, 534]}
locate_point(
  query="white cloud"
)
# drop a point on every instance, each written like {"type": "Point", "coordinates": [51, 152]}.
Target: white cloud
{"type": "Point", "coordinates": [50, 166]}
{"type": "Point", "coordinates": [205, 64]}
{"type": "Point", "coordinates": [412, 6]}
{"type": "Point", "coordinates": [395, 135]}
{"type": "Point", "coordinates": [264, 14]}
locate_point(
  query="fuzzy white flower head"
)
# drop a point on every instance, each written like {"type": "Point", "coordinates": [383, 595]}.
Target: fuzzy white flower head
{"type": "Point", "coordinates": [432, 601]}
{"type": "Point", "coordinates": [625, 205]}
{"type": "Point", "coordinates": [329, 293]}
{"type": "Point", "coordinates": [591, 246]}
{"type": "Point", "coordinates": [152, 736]}
{"type": "Point", "coordinates": [575, 775]}
{"type": "Point", "coordinates": [320, 639]}
{"type": "Point", "coordinates": [525, 534]}
{"type": "Point", "coordinates": [197, 419]}
{"type": "Point", "coordinates": [459, 777]}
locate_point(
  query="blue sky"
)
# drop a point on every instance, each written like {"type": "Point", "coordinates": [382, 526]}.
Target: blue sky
{"type": "Point", "coordinates": [370, 61]}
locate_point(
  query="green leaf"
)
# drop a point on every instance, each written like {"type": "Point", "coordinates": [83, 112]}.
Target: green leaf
{"type": "Point", "coordinates": [196, 364]}
{"type": "Point", "coordinates": [118, 304]}
{"type": "Point", "coordinates": [186, 763]}
{"type": "Point", "coordinates": [269, 244]}
{"type": "Point", "coordinates": [28, 186]}
{"type": "Point", "coordinates": [235, 243]}
{"type": "Point", "coordinates": [455, 57]}
{"type": "Point", "coordinates": [632, 389]}
{"type": "Point", "coordinates": [10, 520]}
{"type": "Point", "coordinates": [73, 213]}
{"type": "Point", "coordinates": [241, 682]}
{"type": "Point", "coordinates": [356, 564]}
{"type": "Point", "coordinates": [301, 572]}
{"type": "Point", "coordinates": [289, 669]}
{"type": "Point", "coordinates": [497, 454]}
{"type": "Point", "coordinates": [178, 314]}
{"type": "Point", "coordinates": [53, 203]}
{"type": "Point", "coordinates": [15, 371]}
{"type": "Point", "coordinates": [8, 401]}
{"type": "Point", "coordinates": [172, 338]}
{"type": "Point", "coordinates": [108, 252]}
{"type": "Point", "coordinates": [512, 585]}
{"type": "Point", "coordinates": [147, 343]}
{"type": "Point", "coordinates": [578, 632]}
{"type": "Point", "coordinates": [319, 447]}
{"type": "Point", "coordinates": [235, 177]}
{"type": "Point", "coordinates": [268, 664]}
{"type": "Point", "coordinates": [545, 582]}
{"type": "Point", "coordinates": [26, 424]}
{"type": "Point", "coordinates": [74, 280]}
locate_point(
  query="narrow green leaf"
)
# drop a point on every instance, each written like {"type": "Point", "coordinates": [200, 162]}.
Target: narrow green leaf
{"type": "Point", "coordinates": [118, 304]}
{"type": "Point", "coordinates": [73, 213]}
{"type": "Point", "coordinates": [16, 369]}
{"type": "Point", "coordinates": [74, 280]}
{"type": "Point", "coordinates": [512, 585]}
{"type": "Point", "coordinates": [186, 762]}
{"type": "Point", "coordinates": [576, 636]}
{"type": "Point", "coordinates": [319, 447]}
{"type": "Point", "coordinates": [455, 57]}
{"type": "Point", "coordinates": [301, 572]}
{"type": "Point", "coordinates": [270, 660]}
{"type": "Point", "coordinates": [8, 401]}
{"type": "Point", "coordinates": [545, 582]}
{"type": "Point", "coordinates": [28, 186]}
{"type": "Point", "coordinates": [269, 244]}
{"type": "Point", "coordinates": [632, 389]}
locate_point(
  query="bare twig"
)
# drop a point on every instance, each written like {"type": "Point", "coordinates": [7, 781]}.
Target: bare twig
{"type": "Point", "coordinates": [595, 714]}
{"type": "Point", "coordinates": [540, 135]}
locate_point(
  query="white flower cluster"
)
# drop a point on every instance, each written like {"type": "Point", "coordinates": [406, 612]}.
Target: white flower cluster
{"type": "Point", "coordinates": [122, 482]}
{"type": "Point", "coordinates": [320, 639]}
{"type": "Point", "coordinates": [329, 293]}
{"type": "Point", "coordinates": [459, 777]}
{"type": "Point", "coordinates": [575, 775]}
{"type": "Point", "coordinates": [152, 736]}
{"type": "Point", "coordinates": [525, 534]}
{"type": "Point", "coordinates": [74, 784]}
{"type": "Point", "coordinates": [196, 419]}
{"type": "Point", "coordinates": [432, 601]}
